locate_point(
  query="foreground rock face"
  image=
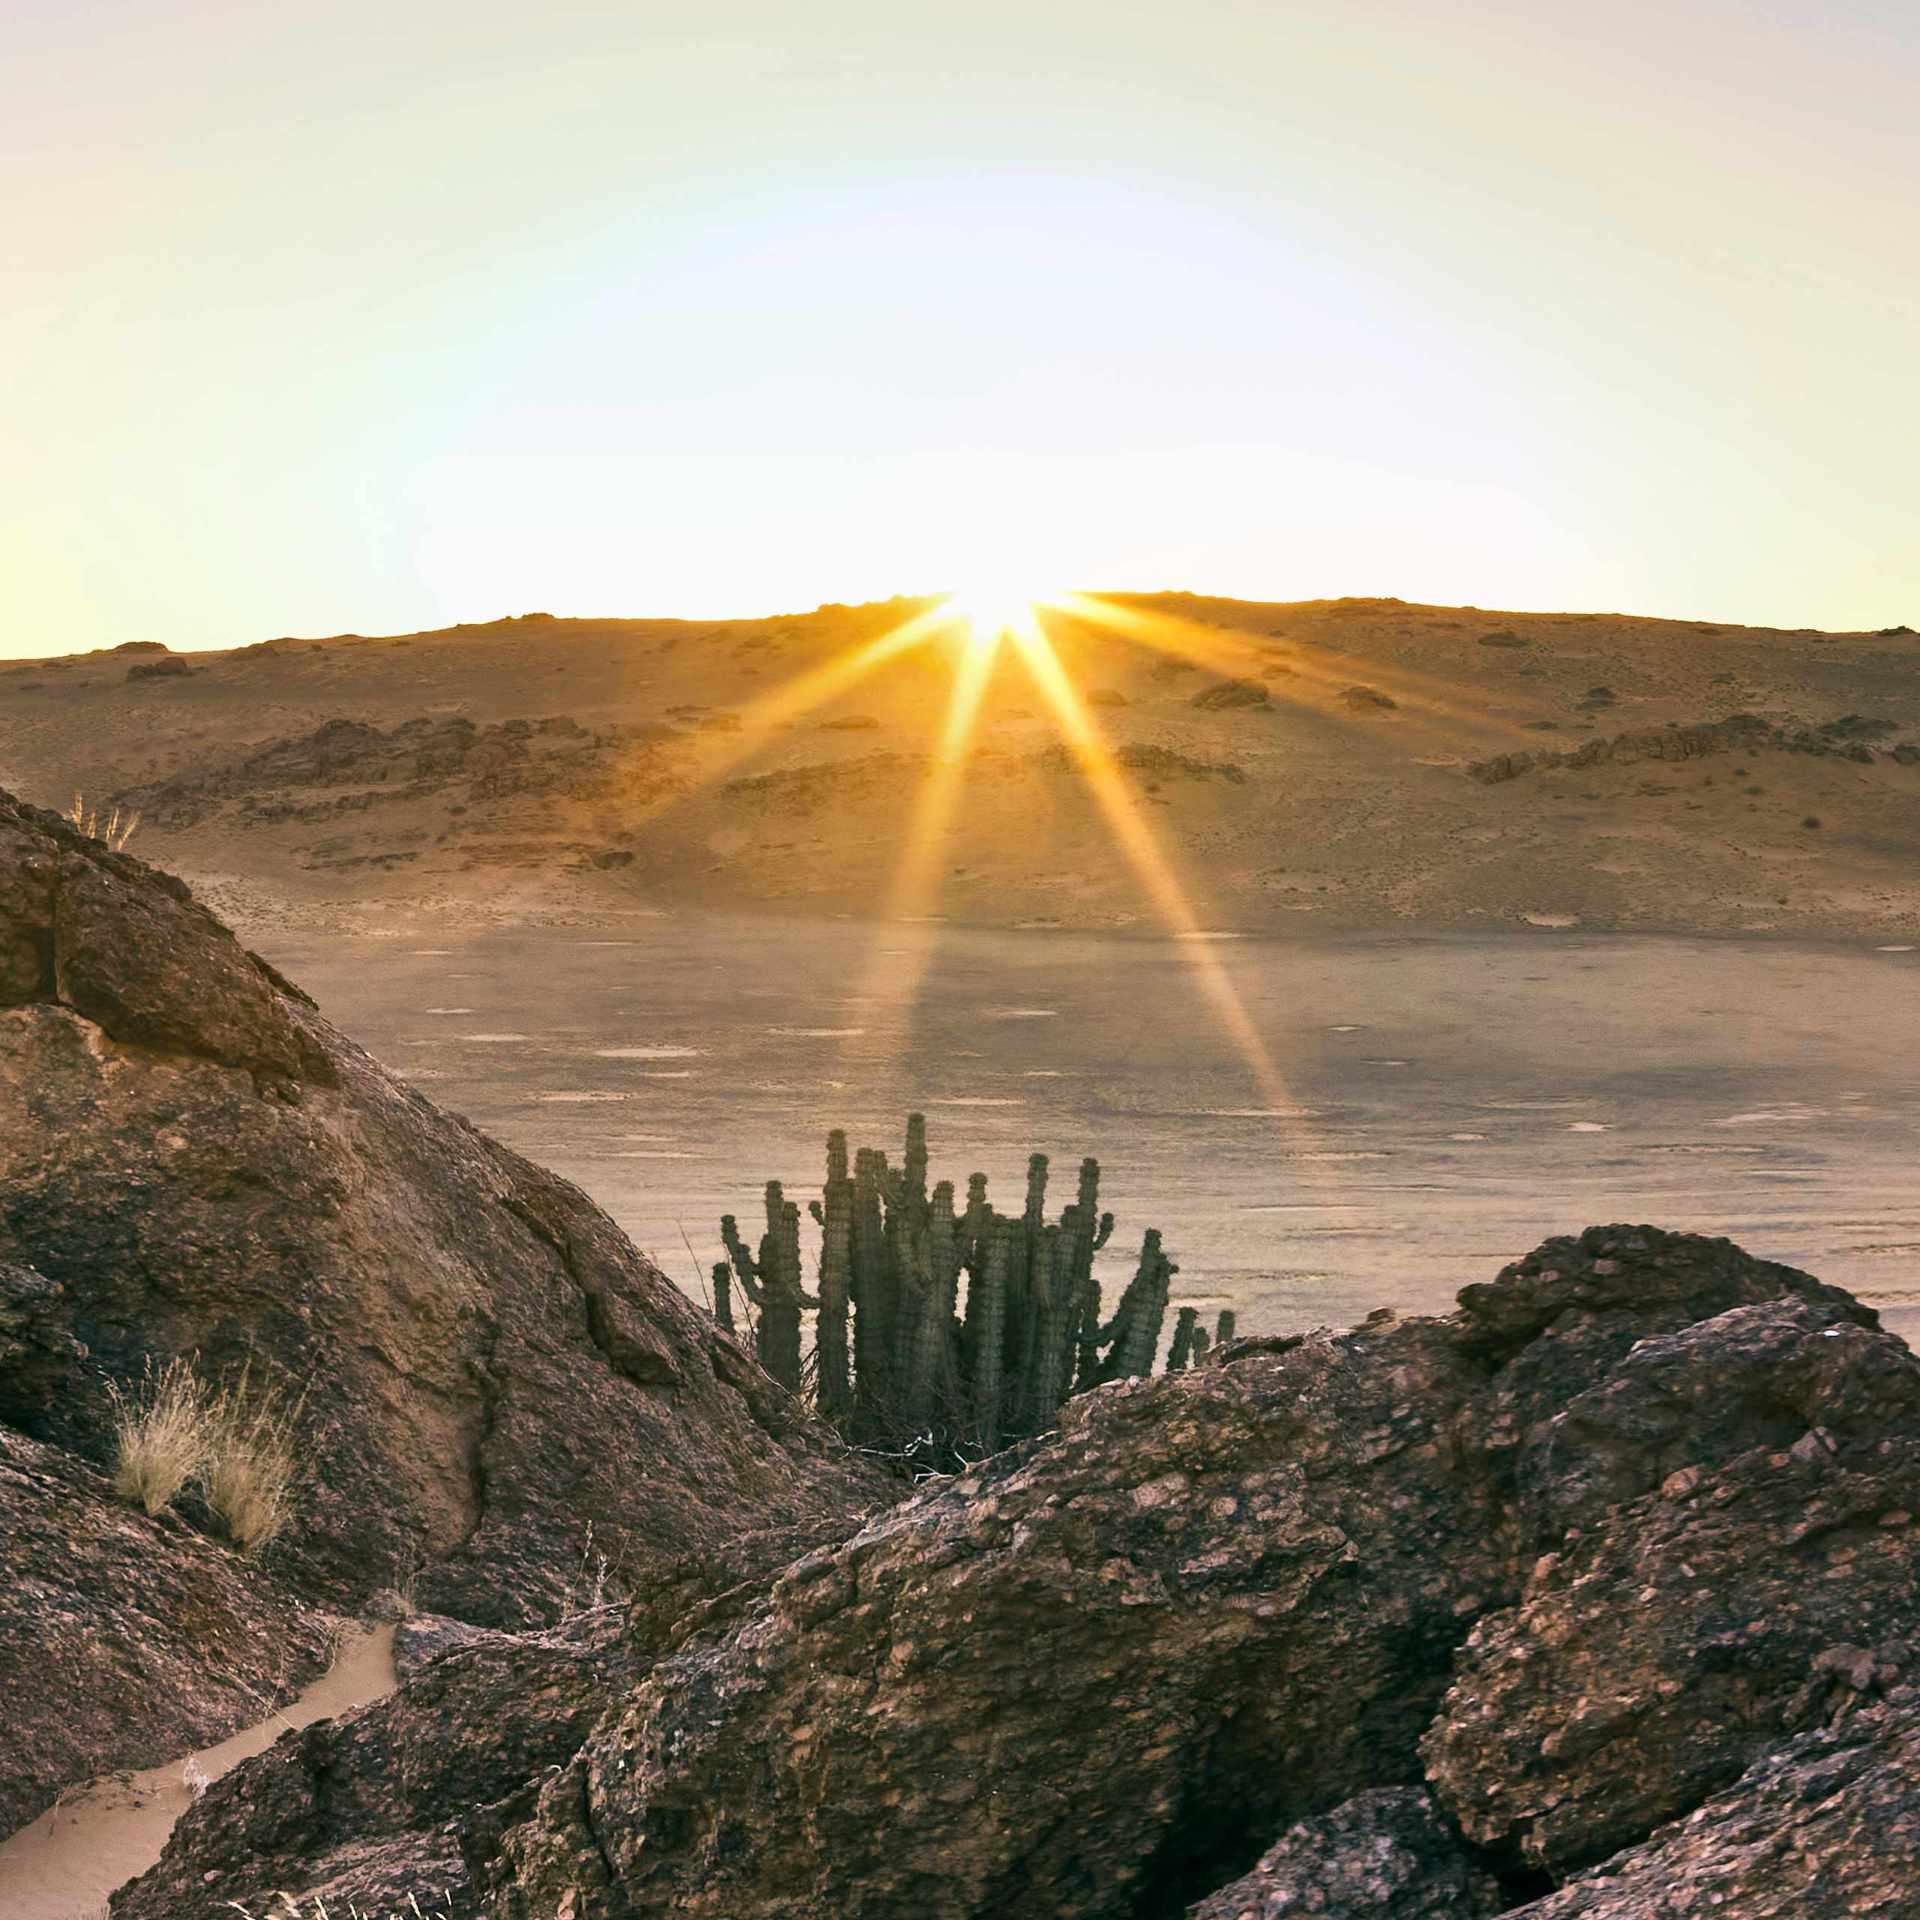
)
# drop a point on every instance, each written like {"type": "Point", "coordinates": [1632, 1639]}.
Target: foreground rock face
{"type": "Point", "coordinates": [1417, 1622]}
{"type": "Point", "coordinates": [1097, 1676]}
{"type": "Point", "coordinates": [205, 1167]}
{"type": "Point", "coordinates": [1771, 1572]}
{"type": "Point", "coordinates": [499, 1395]}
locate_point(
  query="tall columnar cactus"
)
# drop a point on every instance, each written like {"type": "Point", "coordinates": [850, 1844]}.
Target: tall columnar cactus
{"type": "Point", "coordinates": [939, 1331]}
{"type": "Point", "coordinates": [771, 1281]}
{"type": "Point", "coordinates": [986, 1335]}
{"type": "Point", "coordinates": [1180, 1354]}
{"type": "Point", "coordinates": [834, 1212]}
{"type": "Point", "coordinates": [1135, 1327]}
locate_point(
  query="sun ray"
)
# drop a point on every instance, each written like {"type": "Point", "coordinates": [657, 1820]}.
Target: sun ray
{"type": "Point", "coordinates": [892, 988]}
{"type": "Point", "coordinates": [1426, 699]}
{"type": "Point", "coordinates": [762, 718]}
{"type": "Point", "coordinates": [1111, 792]}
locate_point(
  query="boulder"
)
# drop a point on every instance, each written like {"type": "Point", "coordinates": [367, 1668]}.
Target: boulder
{"type": "Point", "coordinates": [1092, 1677]}
{"type": "Point", "coordinates": [1735, 1554]}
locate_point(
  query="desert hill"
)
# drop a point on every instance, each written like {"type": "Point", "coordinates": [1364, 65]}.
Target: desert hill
{"type": "Point", "coordinates": [1332, 764]}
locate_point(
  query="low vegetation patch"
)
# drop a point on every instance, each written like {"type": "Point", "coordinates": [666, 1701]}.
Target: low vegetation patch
{"type": "Point", "coordinates": [112, 829]}
{"type": "Point", "coordinates": [233, 1444]}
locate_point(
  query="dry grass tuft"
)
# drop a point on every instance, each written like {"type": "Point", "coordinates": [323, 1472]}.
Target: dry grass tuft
{"type": "Point", "coordinates": [112, 830]}
{"type": "Point", "coordinates": [251, 1463]}
{"type": "Point", "coordinates": [159, 1435]}
{"type": "Point", "coordinates": [288, 1908]}
{"type": "Point", "coordinates": [235, 1442]}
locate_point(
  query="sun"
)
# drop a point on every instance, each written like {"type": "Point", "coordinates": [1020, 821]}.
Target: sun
{"type": "Point", "coordinates": [991, 608]}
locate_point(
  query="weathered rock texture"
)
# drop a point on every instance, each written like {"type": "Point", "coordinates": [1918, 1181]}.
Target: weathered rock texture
{"type": "Point", "coordinates": [409, 1798]}
{"type": "Point", "coordinates": [1385, 1855]}
{"type": "Point", "coordinates": [499, 1392]}
{"type": "Point", "coordinates": [399, 1799]}
{"type": "Point", "coordinates": [1823, 1827]}
{"type": "Point", "coordinates": [1736, 1554]}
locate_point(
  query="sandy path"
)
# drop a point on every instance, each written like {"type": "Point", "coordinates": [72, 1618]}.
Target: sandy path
{"type": "Point", "coordinates": [98, 1837]}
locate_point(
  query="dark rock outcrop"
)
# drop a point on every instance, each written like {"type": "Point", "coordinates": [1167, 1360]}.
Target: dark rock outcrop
{"type": "Point", "coordinates": [1736, 1553]}
{"type": "Point", "coordinates": [1232, 693]}
{"type": "Point", "coordinates": [497, 1389]}
{"type": "Point", "coordinates": [1083, 1680]}
{"type": "Point", "coordinates": [1843, 739]}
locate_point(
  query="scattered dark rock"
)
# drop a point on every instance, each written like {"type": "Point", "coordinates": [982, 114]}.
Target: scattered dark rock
{"type": "Point", "coordinates": [1106, 697]}
{"type": "Point", "coordinates": [1892, 633]}
{"type": "Point", "coordinates": [1907, 754]}
{"type": "Point", "coordinates": [1152, 763]}
{"type": "Point", "coordinates": [1232, 693]}
{"type": "Point", "coordinates": [1368, 700]}
{"type": "Point", "coordinates": [170, 668]}
{"type": "Point", "coordinates": [850, 723]}
{"type": "Point", "coordinates": [1595, 698]}
{"type": "Point", "coordinates": [1506, 637]}
{"type": "Point", "coordinates": [1858, 726]}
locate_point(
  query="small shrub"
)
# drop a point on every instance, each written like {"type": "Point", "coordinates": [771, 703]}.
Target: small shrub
{"type": "Point", "coordinates": [159, 1435]}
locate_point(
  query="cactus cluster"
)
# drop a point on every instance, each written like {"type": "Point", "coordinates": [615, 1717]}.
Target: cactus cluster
{"type": "Point", "coordinates": [905, 1358]}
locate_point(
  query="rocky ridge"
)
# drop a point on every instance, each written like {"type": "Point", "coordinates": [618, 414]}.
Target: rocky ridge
{"type": "Point", "coordinates": [1594, 1598]}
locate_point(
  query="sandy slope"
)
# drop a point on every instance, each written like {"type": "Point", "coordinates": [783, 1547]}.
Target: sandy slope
{"type": "Point", "coordinates": [96, 1838]}
{"type": "Point", "coordinates": [668, 771]}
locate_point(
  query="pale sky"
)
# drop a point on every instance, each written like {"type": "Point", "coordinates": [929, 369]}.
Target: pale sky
{"type": "Point", "coordinates": [371, 318]}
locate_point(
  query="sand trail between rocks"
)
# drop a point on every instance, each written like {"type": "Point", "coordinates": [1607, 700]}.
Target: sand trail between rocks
{"type": "Point", "coordinates": [97, 1837]}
